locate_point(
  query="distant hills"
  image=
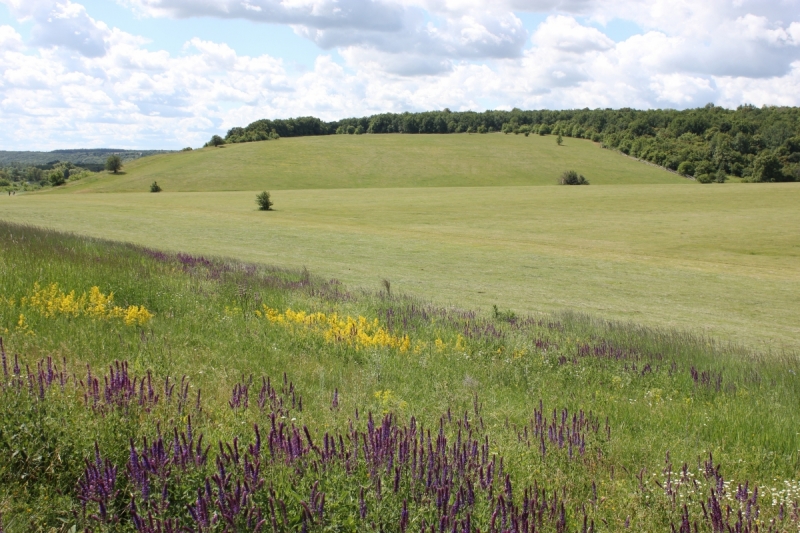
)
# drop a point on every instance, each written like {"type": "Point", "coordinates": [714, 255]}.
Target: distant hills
{"type": "Point", "coordinates": [91, 158]}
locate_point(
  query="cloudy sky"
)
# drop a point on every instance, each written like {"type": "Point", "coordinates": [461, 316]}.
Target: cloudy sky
{"type": "Point", "coordinates": [170, 73]}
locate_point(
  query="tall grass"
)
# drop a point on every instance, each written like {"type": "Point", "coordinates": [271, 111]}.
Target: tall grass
{"type": "Point", "coordinates": [479, 423]}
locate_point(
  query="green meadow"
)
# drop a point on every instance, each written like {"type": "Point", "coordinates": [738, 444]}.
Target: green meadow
{"type": "Point", "coordinates": [469, 220]}
{"type": "Point", "coordinates": [134, 396]}
{"type": "Point", "coordinates": [426, 334]}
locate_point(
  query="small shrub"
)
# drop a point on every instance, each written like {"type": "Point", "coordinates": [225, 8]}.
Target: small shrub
{"type": "Point", "coordinates": [187, 149]}
{"type": "Point", "coordinates": [56, 178]}
{"type": "Point", "coordinates": [560, 140]}
{"type": "Point", "coordinates": [155, 187]}
{"type": "Point", "coordinates": [504, 316]}
{"type": "Point", "coordinates": [570, 177]}
{"type": "Point", "coordinates": [705, 178]}
{"type": "Point", "coordinates": [721, 176]}
{"type": "Point", "coordinates": [686, 168]}
{"type": "Point", "coordinates": [264, 202]}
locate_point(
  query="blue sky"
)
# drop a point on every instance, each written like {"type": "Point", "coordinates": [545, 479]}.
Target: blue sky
{"type": "Point", "coordinates": [171, 73]}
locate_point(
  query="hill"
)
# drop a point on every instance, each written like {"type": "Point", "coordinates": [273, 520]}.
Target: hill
{"type": "Point", "coordinates": [91, 158]}
{"type": "Point", "coordinates": [710, 143]}
{"type": "Point", "coordinates": [379, 161]}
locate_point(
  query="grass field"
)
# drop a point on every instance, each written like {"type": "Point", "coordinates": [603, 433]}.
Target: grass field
{"type": "Point", "coordinates": [369, 161]}
{"type": "Point", "coordinates": [406, 417]}
{"type": "Point", "coordinates": [724, 260]}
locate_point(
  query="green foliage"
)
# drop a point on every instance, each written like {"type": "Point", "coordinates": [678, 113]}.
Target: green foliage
{"type": "Point", "coordinates": [264, 202]}
{"type": "Point", "coordinates": [559, 140]}
{"type": "Point", "coordinates": [57, 177]}
{"type": "Point", "coordinates": [34, 174]}
{"type": "Point", "coordinates": [155, 187]}
{"type": "Point", "coordinates": [686, 168]}
{"type": "Point", "coordinates": [767, 168]}
{"type": "Point", "coordinates": [187, 149]}
{"type": "Point", "coordinates": [216, 141]}
{"type": "Point", "coordinates": [504, 316]}
{"type": "Point", "coordinates": [4, 182]}
{"type": "Point", "coordinates": [570, 177]}
{"type": "Point", "coordinates": [113, 163]}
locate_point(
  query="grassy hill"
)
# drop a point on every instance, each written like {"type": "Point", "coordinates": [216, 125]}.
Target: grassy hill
{"type": "Point", "coordinates": [370, 161]}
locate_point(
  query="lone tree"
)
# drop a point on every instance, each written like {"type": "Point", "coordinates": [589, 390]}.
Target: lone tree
{"type": "Point", "coordinates": [113, 163]}
{"type": "Point", "coordinates": [263, 201]}
{"type": "Point", "coordinates": [155, 187]}
{"type": "Point", "coordinates": [560, 140]}
{"type": "Point", "coordinates": [216, 140]}
{"type": "Point", "coordinates": [56, 178]}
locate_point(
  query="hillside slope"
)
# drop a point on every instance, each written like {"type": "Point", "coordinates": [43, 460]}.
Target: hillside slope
{"type": "Point", "coordinates": [379, 161]}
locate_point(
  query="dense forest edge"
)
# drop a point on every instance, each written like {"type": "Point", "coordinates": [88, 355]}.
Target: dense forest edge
{"type": "Point", "coordinates": [709, 144]}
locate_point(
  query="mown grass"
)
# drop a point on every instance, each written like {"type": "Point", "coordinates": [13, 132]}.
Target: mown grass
{"type": "Point", "coordinates": [660, 398]}
{"type": "Point", "coordinates": [370, 161]}
{"type": "Point", "coordinates": [718, 260]}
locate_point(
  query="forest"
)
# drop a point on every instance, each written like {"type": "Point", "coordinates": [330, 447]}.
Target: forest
{"type": "Point", "coordinates": [710, 143]}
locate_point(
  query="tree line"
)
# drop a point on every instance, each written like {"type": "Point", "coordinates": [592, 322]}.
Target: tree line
{"type": "Point", "coordinates": [708, 143]}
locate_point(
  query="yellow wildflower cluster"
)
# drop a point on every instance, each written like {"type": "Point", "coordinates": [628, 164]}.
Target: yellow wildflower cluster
{"type": "Point", "coordinates": [389, 402]}
{"type": "Point", "coordinates": [357, 332]}
{"type": "Point", "coordinates": [23, 327]}
{"type": "Point", "coordinates": [51, 301]}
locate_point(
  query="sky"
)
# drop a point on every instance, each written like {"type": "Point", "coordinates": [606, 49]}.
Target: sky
{"type": "Point", "coordinates": [165, 74]}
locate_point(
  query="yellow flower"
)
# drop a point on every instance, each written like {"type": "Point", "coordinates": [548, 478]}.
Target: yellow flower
{"type": "Point", "coordinates": [137, 316]}
{"type": "Point", "coordinates": [52, 301]}
{"type": "Point", "coordinates": [461, 344]}
{"type": "Point", "coordinates": [23, 327]}
{"type": "Point", "coordinates": [357, 332]}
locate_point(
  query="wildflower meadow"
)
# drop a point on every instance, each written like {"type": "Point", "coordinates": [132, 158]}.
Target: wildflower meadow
{"type": "Point", "coordinates": [142, 391]}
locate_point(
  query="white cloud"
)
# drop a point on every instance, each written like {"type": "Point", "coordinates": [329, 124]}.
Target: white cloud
{"type": "Point", "coordinates": [79, 82]}
{"type": "Point", "coordinates": [62, 23]}
{"type": "Point", "coordinates": [10, 40]}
